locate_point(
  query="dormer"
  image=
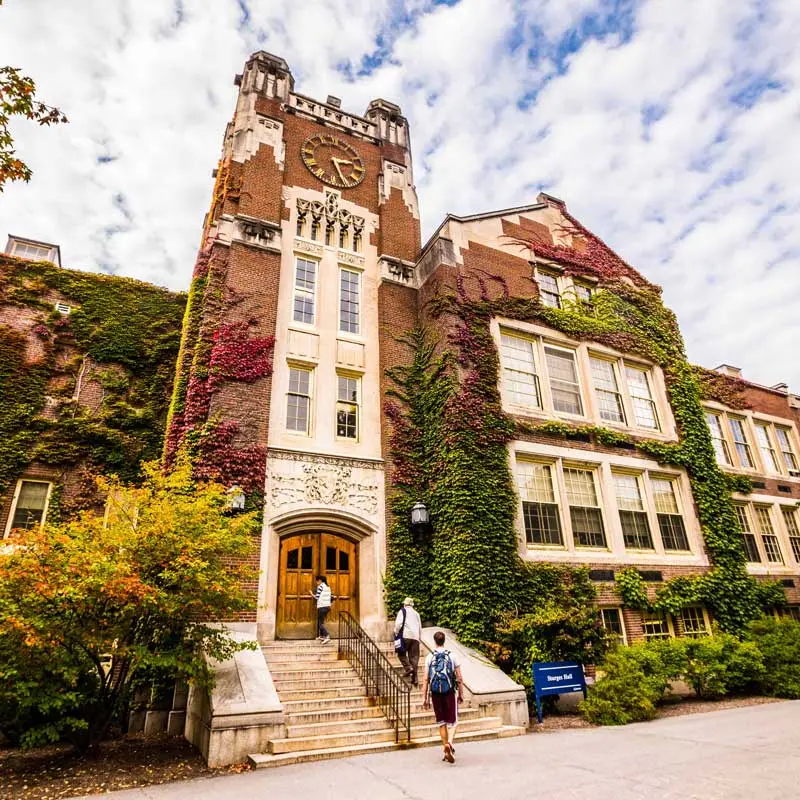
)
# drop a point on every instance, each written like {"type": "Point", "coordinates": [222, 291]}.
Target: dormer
{"type": "Point", "coordinates": [33, 250]}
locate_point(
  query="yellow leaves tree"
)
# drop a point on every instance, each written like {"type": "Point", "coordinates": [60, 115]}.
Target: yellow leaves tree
{"type": "Point", "coordinates": [93, 607]}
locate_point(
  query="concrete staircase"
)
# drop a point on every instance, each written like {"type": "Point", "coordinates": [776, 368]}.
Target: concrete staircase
{"type": "Point", "coordinates": [328, 713]}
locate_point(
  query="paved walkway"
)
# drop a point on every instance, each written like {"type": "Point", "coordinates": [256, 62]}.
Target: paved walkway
{"type": "Point", "coordinates": [751, 752]}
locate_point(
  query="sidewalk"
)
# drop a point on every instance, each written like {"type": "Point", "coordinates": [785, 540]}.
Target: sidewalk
{"type": "Point", "coordinates": [739, 754]}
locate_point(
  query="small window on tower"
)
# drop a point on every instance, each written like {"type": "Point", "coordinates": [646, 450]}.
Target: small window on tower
{"type": "Point", "coordinates": [343, 238]}
{"type": "Point", "coordinates": [357, 242]}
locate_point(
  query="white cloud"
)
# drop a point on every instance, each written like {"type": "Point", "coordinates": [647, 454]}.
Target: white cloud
{"type": "Point", "coordinates": [639, 133]}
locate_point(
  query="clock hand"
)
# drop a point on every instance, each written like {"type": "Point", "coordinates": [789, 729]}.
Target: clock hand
{"type": "Point", "coordinates": [337, 162]}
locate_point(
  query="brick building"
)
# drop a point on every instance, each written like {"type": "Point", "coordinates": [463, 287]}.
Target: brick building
{"type": "Point", "coordinates": [310, 272]}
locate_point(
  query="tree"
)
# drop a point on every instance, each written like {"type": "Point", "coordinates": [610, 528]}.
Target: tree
{"type": "Point", "coordinates": [18, 98]}
{"type": "Point", "coordinates": [91, 607]}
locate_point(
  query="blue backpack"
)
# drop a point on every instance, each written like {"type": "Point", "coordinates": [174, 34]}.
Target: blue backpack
{"type": "Point", "coordinates": [442, 673]}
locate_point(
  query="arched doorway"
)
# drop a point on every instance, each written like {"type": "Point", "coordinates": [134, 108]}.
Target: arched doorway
{"type": "Point", "coordinates": [303, 556]}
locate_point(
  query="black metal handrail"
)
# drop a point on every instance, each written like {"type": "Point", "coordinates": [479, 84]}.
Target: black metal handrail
{"type": "Point", "coordinates": [374, 668]}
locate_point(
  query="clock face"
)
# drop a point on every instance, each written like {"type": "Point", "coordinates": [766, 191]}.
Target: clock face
{"type": "Point", "coordinates": [333, 161]}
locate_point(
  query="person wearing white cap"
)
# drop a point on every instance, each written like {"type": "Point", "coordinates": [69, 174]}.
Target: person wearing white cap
{"type": "Point", "coordinates": [409, 625]}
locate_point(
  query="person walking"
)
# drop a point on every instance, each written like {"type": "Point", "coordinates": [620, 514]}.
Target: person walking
{"type": "Point", "coordinates": [442, 686]}
{"type": "Point", "coordinates": [408, 626]}
{"type": "Point", "coordinates": [323, 596]}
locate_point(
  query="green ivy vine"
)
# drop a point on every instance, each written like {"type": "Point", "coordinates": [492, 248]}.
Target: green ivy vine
{"type": "Point", "coordinates": [449, 445]}
{"type": "Point", "coordinates": [130, 326]}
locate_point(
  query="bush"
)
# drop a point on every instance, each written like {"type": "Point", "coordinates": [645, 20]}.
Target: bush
{"type": "Point", "coordinates": [629, 689]}
{"type": "Point", "coordinates": [779, 644]}
{"type": "Point", "coordinates": [93, 607]}
{"type": "Point", "coordinates": [720, 664]}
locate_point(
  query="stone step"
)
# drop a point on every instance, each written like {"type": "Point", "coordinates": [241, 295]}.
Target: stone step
{"type": "Point", "coordinates": [300, 663]}
{"type": "Point", "coordinates": [266, 760]}
{"type": "Point", "coordinates": [336, 714]}
{"type": "Point", "coordinates": [331, 669]}
{"type": "Point", "coordinates": [312, 703]}
{"type": "Point", "coordinates": [339, 724]}
{"type": "Point", "coordinates": [321, 682]}
{"type": "Point", "coordinates": [303, 658]}
{"type": "Point", "coordinates": [322, 694]}
{"type": "Point", "coordinates": [343, 739]}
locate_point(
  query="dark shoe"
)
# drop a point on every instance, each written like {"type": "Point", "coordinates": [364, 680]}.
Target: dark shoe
{"type": "Point", "coordinates": [449, 753]}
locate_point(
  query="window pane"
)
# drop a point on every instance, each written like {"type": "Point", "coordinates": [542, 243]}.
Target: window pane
{"type": "Point", "coordinates": [768, 538]}
{"type": "Point", "coordinates": [748, 538]}
{"type": "Point", "coordinates": [344, 561]}
{"type": "Point", "coordinates": [664, 496]}
{"type": "Point", "coordinates": [612, 622]}
{"type": "Point", "coordinates": [349, 301]}
{"type": "Point", "coordinates": [673, 532]}
{"type": "Point", "coordinates": [306, 558]}
{"type": "Point", "coordinates": [644, 409]}
{"type": "Point", "coordinates": [765, 446]}
{"type": "Point", "coordinates": [740, 440]}
{"type": "Point", "coordinates": [784, 442]}
{"type": "Point", "coordinates": [304, 287]}
{"type": "Point", "coordinates": [694, 622]}
{"type": "Point", "coordinates": [586, 518]}
{"type": "Point", "coordinates": [564, 381]}
{"type": "Point", "coordinates": [548, 289]}
{"type": "Point", "coordinates": [519, 370]}
{"type": "Point", "coordinates": [609, 399]}
{"type": "Point", "coordinates": [30, 504]}
{"type": "Point", "coordinates": [542, 525]}
{"type": "Point", "coordinates": [330, 559]}
{"type": "Point", "coordinates": [535, 482]}
{"type": "Point", "coordinates": [292, 559]}
{"type": "Point", "coordinates": [792, 528]}
{"type": "Point", "coordinates": [347, 407]}
{"type": "Point", "coordinates": [718, 439]}
{"type": "Point", "coordinates": [629, 497]}
{"type": "Point", "coordinates": [655, 625]}
{"type": "Point", "coordinates": [298, 400]}
{"type": "Point", "coordinates": [583, 292]}
{"type": "Point", "coordinates": [635, 526]}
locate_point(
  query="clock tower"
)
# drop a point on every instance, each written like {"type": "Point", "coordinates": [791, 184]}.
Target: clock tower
{"type": "Point", "coordinates": [303, 279]}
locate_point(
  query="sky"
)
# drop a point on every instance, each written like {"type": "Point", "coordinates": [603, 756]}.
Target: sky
{"type": "Point", "coordinates": [671, 128]}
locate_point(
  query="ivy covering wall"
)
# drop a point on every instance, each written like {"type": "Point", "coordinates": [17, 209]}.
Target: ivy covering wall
{"type": "Point", "coordinates": [450, 441]}
{"type": "Point", "coordinates": [121, 333]}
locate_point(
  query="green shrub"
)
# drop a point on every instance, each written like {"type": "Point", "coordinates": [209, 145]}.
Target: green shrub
{"type": "Point", "coordinates": [720, 664]}
{"type": "Point", "coordinates": [626, 692]}
{"type": "Point", "coordinates": [779, 644]}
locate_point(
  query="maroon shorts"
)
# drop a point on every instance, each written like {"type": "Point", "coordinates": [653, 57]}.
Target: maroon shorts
{"type": "Point", "coordinates": [445, 707]}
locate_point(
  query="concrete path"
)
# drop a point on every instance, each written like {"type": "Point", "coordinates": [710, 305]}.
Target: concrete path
{"type": "Point", "coordinates": [748, 753]}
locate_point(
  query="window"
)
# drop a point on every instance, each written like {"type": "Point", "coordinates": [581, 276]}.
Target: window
{"type": "Point", "coordinates": [356, 242]}
{"type": "Point", "coordinates": [564, 384]}
{"type": "Point", "coordinates": [298, 403]}
{"type": "Point", "coordinates": [792, 528]}
{"type": "Point", "coordinates": [670, 521]}
{"type": "Point", "coordinates": [718, 439]}
{"type": "Point", "coordinates": [609, 399]}
{"type": "Point", "coordinates": [772, 548]}
{"type": "Point", "coordinates": [644, 409]}
{"type": "Point", "coordinates": [539, 506]}
{"type": "Point", "coordinates": [748, 537]}
{"type": "Point", "coordinates": [30, 504]}
{"type": "Point", "coordinates": [785, 444]}
{"type": "Point", "coordinates": [301, 225]}
{"type": "Point", "coordinates": [583, 292]}
{"type": "Point", "coordinates": [31, 251]}
{"type": "Point", "coordinates": [740, 441]}
{"type": "Point", "coordinates": [584, 510]}
{"type": "Point", "coordinates": [349, 301]}
{"type": "Point", "coordinates": [315, 229]}
{"type": "Point", "coordinates": [329, 231]}
{"type": "Point", "coordinates": [611, 618]}
{"type": "Point", "coordinates": [765, 446]}
{"type": "Point", "coordinates": [519, 371]}
{"type": "Point", "coordinates": [793, 612]}
{"type": "Point", "coordinates": [305, 280]}
{"type": "Point", "coordinates": [655, 625]}
{"type": "Point", "coordinates": [548, 289]}
{"type": "Point", "coordinates": [342, 238]}
{"type": "Point", "coordinates": [693, 622]}
{"type": "Point", "coordinates": [347, 407]}
{"type": "Point", "coordinates": [632, 516]}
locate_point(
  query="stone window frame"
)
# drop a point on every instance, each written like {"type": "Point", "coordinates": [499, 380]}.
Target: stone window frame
{"type": "Point", "coordinates": [603, 468]}
{"type": "Point", "coordinates": [541, 336]}
{"type": "Point", "coordinates": [15, 499]}
{"type": "Point", "coordinates": [776, 509]}
{"type": "Point", "coordinates": [750, 420]}
{"type": "Point", "coordinates": [622, 636]}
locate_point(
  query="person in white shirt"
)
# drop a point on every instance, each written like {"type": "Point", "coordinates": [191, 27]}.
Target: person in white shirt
{"type": "Point", "coordinates": [442, 686]}
{"type": "Point", "coordinates": [322, 594]}
{"type": "Point", "coordinates": [409, 625]}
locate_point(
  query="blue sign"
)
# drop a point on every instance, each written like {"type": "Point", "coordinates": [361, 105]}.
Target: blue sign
{"type": "Point", "coordinates": [556, 677]}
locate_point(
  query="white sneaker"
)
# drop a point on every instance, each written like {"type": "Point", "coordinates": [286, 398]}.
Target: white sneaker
{"type": "Point", "coordinates": [326, 640]}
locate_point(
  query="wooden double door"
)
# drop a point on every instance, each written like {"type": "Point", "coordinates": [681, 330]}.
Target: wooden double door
{"type": "Point", "coordinates": [303, 557]}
